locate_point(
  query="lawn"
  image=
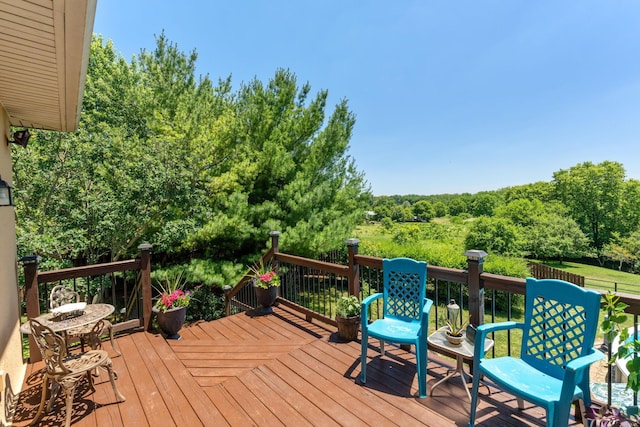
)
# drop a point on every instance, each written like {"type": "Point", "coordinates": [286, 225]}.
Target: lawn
{"type": "Point", "coordinates": [601, 278]}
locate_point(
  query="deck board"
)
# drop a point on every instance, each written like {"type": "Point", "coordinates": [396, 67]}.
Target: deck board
{"type": "Point", "coordinates": [275, 370]}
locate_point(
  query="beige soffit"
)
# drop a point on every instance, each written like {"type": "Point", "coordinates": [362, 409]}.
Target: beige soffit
{"type": "Point", "coordinates": [44, 52]}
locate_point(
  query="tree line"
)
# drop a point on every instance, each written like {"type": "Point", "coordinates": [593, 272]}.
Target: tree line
{"type": "Point", "coordinates": [588, 210]}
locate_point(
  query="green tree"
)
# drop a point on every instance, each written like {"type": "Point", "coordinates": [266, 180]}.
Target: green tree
{"type": "Point", "coordinates": [424, 210]}
{"type": "Point", "coordinates": [593, 193]}
{"type": "Point", "coordinates": [493, 235]}
{"type": "Point", "coordinates": [485, 203]}
{"type": "Point", "coordinates": [440, 209]}
{"type": "Point", "coordinates": [458, 206]}
{"type": "Point", "coordinates": [542, 191]}
{"type": "Point", "coordinates": [521, 212]}
{"type": "Point", "coordinates": [629, 219]}
{"type": "Point", "coordinates": [554, 236]}
{"type": "Point", "coordinates": [618, 253]}
{"type": "Point", "coordinates": [165, 157]}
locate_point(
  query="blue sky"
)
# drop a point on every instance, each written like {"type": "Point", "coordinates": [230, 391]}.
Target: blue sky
{"type": "Point", "coordinates": [449, 96]}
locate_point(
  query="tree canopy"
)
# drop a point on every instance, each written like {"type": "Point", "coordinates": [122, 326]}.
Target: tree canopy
{"type": "Point", "coordinates": [189, 165]}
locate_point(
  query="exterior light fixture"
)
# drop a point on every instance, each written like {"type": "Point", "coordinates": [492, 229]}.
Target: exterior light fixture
{"type": "Point", "coordinates": [475, 254]}
{"type": "Point", "coordinates": [20, 137]}
{"type": "Point", "coordinates": [6, 198]}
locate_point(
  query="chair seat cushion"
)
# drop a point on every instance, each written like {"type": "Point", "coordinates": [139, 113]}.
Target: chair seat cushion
{"type": "Point", "coordinates": [395, 330]}
{"type": "Point", "coordinates": [533, 385]}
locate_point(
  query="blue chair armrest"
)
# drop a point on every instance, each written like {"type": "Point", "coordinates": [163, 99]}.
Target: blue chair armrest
{"type": "Point", "coordinates": [584, 361]}
{"type": "Point", "coordinates": [364, 306]}
{"type": "Point", "coordinates": [424, 320]}
{"type": "Point", "coordinates": [500, 326]}
{"type": "Point", "coordinates": [487, 328]}
{"type": "Point", "coordinates": [426, 309]}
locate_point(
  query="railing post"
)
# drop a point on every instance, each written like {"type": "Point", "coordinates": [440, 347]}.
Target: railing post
{"type": "Point", "coordinates": [354, 271]}
{"type": "Point", "coordinates": [475, 259]}
{"type": "Point", "coordinates": [30, 267]}
{"type": "Point", "coordinates": [145, 281]}
{"type": "Point", "coordinates": [275, 239]}
{"type": "Point", "coordinates": [227, 300]}
{"type": "Point", "coordinates": [275, 246]}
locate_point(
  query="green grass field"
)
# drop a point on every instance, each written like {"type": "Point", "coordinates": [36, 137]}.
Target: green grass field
{"type": "Point", "coordinates": [601, 278]}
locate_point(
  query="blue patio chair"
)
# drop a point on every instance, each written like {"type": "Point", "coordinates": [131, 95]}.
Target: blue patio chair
{"type": "Point", "coordinates": [406, 314]}
{"type": "Point", "coordinates": [559, 329]}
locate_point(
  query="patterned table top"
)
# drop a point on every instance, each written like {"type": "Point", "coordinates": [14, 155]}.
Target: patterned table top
{"type": "Point", "coordinates": [91, 313]}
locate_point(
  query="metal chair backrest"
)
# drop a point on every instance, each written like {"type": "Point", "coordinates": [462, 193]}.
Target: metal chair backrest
{"type": "Point", "coordinates": [53, 348]}
{"type": "Point", "coordinates": [61, 295]}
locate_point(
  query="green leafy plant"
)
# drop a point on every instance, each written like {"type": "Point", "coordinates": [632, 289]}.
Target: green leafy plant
{"type": "Point", "coordinates": [348, 306]}
{"type": "Point", "coordinates": [172, 293]}
{"type": "Point", "coordinates": [264, 276]}
{"type": "Point", "coordinates": [612, 326]}
{"type": "Point", "coordinates": [207, 303]}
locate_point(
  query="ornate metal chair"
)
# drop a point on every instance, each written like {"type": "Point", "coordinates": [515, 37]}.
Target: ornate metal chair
{"type": "Point", "coordinates": [65, 371]}
{"type": "Point", "coordinates": [558, 332]}
{"type": "Point", "coordinates": [406, 313]}
{"type": "Point", "coordinates": [61, 295]}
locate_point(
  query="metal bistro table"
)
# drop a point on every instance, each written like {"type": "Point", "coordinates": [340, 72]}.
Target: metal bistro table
{"type": "Point", "coordinates": [438, 342]}
{"type": "Point", "coordinates": [91, 314]}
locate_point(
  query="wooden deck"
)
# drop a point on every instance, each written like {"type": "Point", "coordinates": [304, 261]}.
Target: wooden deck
{"type": "Point", "coordinates": [276, 370]}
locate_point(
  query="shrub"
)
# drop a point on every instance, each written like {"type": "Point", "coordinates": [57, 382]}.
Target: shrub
{"type": "Point", "coordinates": [207, 303]}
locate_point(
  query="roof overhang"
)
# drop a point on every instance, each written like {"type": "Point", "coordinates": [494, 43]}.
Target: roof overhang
{"type": "Point", "coordinates": [44, 52]}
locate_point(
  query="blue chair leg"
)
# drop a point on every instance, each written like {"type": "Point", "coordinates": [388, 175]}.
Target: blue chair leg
{"type": "Point", "coordinates": [421, 363]}
{"type": "Point", "coordinates": [363, 357]}
{"type": "Point", "coordinates": [558, 414]}
{"type": "Point", "coordinates": [552, 417]}
{"type": "Point", "coordinates": [474, 397]}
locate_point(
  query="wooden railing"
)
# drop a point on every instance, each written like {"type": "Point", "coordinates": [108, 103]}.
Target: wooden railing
{"type": "Point", "coordinates": [312, 286]}
{"type": "Point", "coordinates": [106, 282]}
{"type": "Point", "coordinates": [303, 276]}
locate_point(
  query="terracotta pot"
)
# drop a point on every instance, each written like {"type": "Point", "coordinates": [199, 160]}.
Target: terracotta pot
{"type": "Point", "coordinates": [266, 298]}
{"type": "Point", "coordinates": [348, 327]}
{"type": "Point", "coordinates": [171, 321]}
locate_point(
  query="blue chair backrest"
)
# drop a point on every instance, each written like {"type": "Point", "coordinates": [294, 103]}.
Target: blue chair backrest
{"type": "Point", "coordinates": [561, 321]}
{"type": "Point", "coordinates": [405, 285]}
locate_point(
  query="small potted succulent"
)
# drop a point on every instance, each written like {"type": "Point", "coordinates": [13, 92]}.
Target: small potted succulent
{"type": "Point", "coordinates": [452, 332]}
{"type": "Point", "coordinates": [348, 317]}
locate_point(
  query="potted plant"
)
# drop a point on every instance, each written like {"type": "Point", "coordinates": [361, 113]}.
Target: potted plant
{"type": "Point", "coordinates": [171, 304]}
{"type": "Point", "coordinates": [348, 317]}
{"type": "Point", "coordinates": [453, 333]}
{"type": "Point", "coordinates": [265, 282]}
{"type": "Point", "coordinates": [610, 416]}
